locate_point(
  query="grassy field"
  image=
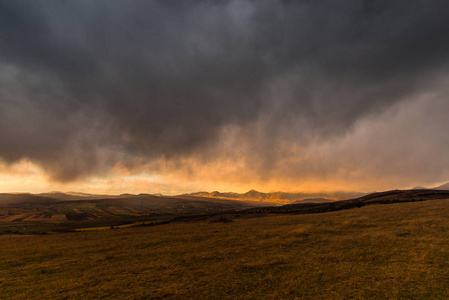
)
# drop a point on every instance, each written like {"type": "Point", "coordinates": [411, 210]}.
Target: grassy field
{"type": "Point", "coordinates": [373, 252]}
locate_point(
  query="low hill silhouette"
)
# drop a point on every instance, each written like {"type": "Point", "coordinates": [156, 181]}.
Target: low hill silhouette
{"type": "Point", "coordinates": [388, 197]}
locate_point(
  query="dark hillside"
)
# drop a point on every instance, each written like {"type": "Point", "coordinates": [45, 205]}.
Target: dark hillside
{"type": "Point", "coordinates": [394, 196]}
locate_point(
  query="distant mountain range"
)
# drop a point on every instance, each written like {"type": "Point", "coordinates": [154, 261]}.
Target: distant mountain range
{"type": "Point", "coordinates": [443, 187]}
{"type": "Point", "coordinates": [280, 197]}
{"type": "Point", "coordinates": [226, 200]}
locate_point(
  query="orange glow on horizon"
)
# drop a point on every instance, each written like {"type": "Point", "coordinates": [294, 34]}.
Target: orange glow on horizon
{"type": "Point", "coordinates": [25, 176]}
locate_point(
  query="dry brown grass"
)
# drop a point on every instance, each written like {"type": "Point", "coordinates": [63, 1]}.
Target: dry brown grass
{"type": "Point", "coordinates": [374, 252]}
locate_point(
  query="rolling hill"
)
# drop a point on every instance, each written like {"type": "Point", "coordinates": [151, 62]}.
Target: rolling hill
{"type": "Point", "coordinates": [388, 197]}
{"type": "Point", "coordinates": [81, 211]}
{"type": "Point", "coordinates": [59, 208]}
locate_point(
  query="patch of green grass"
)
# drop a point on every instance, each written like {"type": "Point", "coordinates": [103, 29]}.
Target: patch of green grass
{"type": "Point", "coordinates": [373, 252]}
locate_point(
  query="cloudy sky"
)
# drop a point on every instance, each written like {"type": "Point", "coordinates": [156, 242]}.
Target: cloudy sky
{"type": "Point", "coordinates": [176, 96]}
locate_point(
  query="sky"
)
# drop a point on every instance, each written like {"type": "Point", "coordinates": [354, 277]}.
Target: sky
{"type": "Point", "coordinates": [179, 96]}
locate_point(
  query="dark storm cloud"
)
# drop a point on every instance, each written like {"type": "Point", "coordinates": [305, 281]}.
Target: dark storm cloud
{"type": "Point", "coordinates": [87, 83]}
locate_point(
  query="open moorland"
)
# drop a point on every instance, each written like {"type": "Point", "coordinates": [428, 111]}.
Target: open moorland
{"type": "Point", "coordinates": [376, 251]}
{"type": "Point", "coordinates": [59, 212]}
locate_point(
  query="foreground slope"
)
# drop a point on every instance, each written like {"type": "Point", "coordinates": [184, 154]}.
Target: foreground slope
{"type": "Point", "coordinates": [397, 250]}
